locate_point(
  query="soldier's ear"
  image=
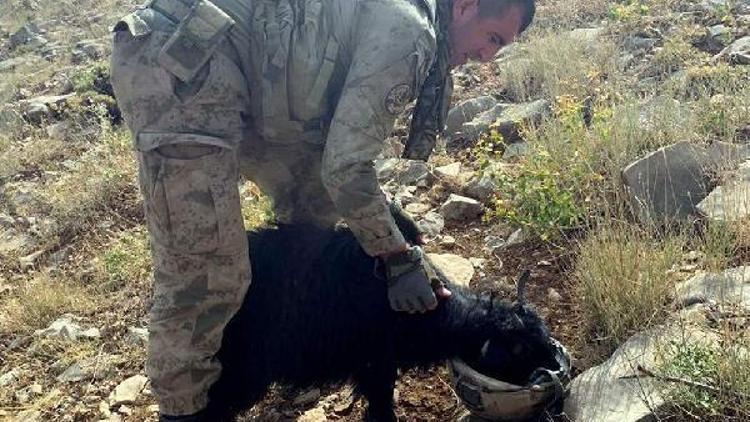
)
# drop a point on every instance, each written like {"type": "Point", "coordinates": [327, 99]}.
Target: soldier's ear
{"type": "Point", "coordinates": [464, 11]}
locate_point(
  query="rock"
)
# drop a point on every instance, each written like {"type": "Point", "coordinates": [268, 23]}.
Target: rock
{"type": "Point", "coordinates": [307, 397]}
{"type": "Point", "coordinates": [492, 243]}
{"type": "Point", "coordinates": [38, 109]}
{"type": "Point", "coordinates": [518, 149]}
{"type": "Point", "coordinates": [403, 171]}
{"type": "Point", "coordinates": [29, 416]}
{"type": "Point", "coordinates": [481, 187]}
{"type": "Point", "coordinates": [668, 183]}
{"type": "Point", "coordinates": [87, 50]}
{"type": "Point", "coordinates": [717, 38]}
{"type": "Point", "coordinates": [517, 237]}
{"type": "Point", "coordinates": [65, 329]}
{"type": "Point", "coordinates": [25, 394]}
{"type": "Point", "coordinates": [638, 45]}
{"type": "Point", "coordinates": [448, 240]}
{"type": "Point", "coordinates": [729, 287]}
{"type": "Point", "coordinates": [127, 391]}
{"type": "Point", "coordinates": [520, 115]}
{"type": "Point", "coordinates": [725, 155]}
{"type": "Point", "coordinates": [588, 36]}
{"type": "Point", "coordinates": [29, 261]}
{"type": "Point", "coordinates": [461, 208]}
{"type": "Point", "coordinates": [10, 65]}
{"type": "Point", "coordinates": [58, 131]}
{"type": "Point", "coordinates": [466, 111]}
{"type": "Point", "coordinates": [457, 269]}
{"type": "Point", "coordinates": [451, 170]}
{"type": "Point", "coordinates": [609, 393]}
{"type": "Point", "coordinates": [137, 336]}
{"type": "Point", "coordinates": [736, 53]}
{"type": "Point", "coordinates": [72, 374]}
{"type": "Point", "coordinates": [9, 378]}
{"type": "Point", "coordinates": [313, 415]}
{"type": "Point", "coordinates": [27, 35]}
{"type": "Point", "coordinates": [36, 113]}
{"type": "Point", "coordinates": [554, 295]}
{"type": "Point", "coordinates": [730, 202]}
{"type": "Point", "coordinates": [480, 124]}
{"type": "Point", "coordinates": [431, 224]}
{"type": "Point", "coordinates": [417, 208]}
{"type": "Point", "coordinates": [478, 262]}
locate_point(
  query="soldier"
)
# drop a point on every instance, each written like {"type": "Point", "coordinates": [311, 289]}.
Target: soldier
{"type": "Point", "coordinates": [298, 96]}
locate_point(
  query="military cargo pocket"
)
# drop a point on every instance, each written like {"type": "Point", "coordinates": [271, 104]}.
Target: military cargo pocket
{"type": "Point", "coordinates": [192, 205]}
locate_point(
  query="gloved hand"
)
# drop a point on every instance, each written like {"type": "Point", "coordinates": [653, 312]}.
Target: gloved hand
{"type": "Point", "coordinates": [410, 281]}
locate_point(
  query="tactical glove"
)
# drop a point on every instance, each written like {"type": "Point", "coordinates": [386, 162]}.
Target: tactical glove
{"type": "Point", "coordinates": [410, 281]}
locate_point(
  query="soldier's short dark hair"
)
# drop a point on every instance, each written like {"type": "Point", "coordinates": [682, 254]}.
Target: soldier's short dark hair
{"type": "Point", "coordinates": [497, 7]}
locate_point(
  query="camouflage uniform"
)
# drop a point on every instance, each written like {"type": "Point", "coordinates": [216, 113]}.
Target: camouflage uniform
{"type": "Point", "coordinates": [298, 95]}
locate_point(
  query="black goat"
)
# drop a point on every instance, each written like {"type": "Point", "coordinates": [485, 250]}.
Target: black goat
{"type": "Point", "coordinates": [318, 312]}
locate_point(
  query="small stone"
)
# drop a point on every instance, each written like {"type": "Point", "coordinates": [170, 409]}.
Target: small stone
{"type": "Point", "coordinates": [125, 410]}
{"type": "Point", "coordinates": [457, 269]}
{"type": "Point", "coordinates": [9, 378]}
{"type": "Point", "coordinates": [461, 208]}
{"type": "Point", "coordinates": [517, 237]}
{"type": "Point", "coordinates": [481, 188]}
{"type": "Point", "coordinates": [313, 415]}
{"type": "Point", "coordinates": [451, 170]}
{"type": "Point", "coordinates": [517, 149]}
{"type": "Point", "coordinates": [478, 262]}
{"type": "Point", "coordinates": [137, 336]}
{"type": "Point", "coordinates": [127, 391]}
{"type": "Point", "coordinates": [153, 408]}
{"type": "Point", "coordinates": [492, 243]}
{"type": "Point", "coordinates": [554, 295]}
{"type": "Point", "coordinates": [417, 208]}
{"type": "Point", "coordinates": [448, 240]}
{"type": "Point", "coordinates": [307, 397]}
{"type": "Point", "coordinates": [104, 411]}
{"type": "Point", "coordinates": [466, 111]}
{"type": "Point", "coordinates": [29, 261]}
{"type": "Point", "coordinates": [72, 374]}
{"type": "Point", "coordinates": [64, 328]}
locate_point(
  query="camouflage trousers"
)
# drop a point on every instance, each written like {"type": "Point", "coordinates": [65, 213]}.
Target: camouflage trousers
{"type": "Point", "coordinates": [191, 143]}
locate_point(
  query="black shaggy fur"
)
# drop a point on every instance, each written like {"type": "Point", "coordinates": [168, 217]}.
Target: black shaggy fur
{"type": "Point", "coordinates": [318, 312]}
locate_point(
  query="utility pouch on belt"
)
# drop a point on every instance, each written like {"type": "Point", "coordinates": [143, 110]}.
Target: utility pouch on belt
{"type": "Point", "coordinates": [195, 40]}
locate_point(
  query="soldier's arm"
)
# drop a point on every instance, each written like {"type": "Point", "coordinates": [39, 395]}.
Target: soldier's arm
{"type": "Point", "coordinates": [391, 56]}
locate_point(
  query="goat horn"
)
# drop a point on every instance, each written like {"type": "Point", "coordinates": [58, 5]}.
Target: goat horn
{"type": "Point", "coordinates": [521, 286]}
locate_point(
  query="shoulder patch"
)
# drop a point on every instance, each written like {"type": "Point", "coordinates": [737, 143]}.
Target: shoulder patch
{"type": "Point", "coordinates": [397, 98]}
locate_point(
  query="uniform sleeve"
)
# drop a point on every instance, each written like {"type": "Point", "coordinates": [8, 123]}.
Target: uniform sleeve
{"type": "Point", "coordinates": [391, 56]}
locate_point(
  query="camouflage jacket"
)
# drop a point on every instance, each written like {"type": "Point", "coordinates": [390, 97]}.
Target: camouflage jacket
{"type": "Point", "coordinates": [337, 72]}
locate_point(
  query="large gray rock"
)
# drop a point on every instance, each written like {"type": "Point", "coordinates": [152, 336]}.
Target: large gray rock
{"type": "Point", "coordinates": [717, 38]}
{"type": "Point", "coordinates": [508, 119]}
{"type": "Point", "coordinates": [726, 156]}
{"type": "Point", "coordinates": [39, 109]}
{"type": "Point", "coordinates": [27, 35]}
{"type": "Point", "coordinates": [455, 268]}
{"type": "Point", "coordinates": [610, 392]}
{"type": "Point", "coordinates": [668, 183]}
{"type": "Point", "coordinates": [461, 208]}
{"type": "Point", "coordinates": [466, 111]}
{"type": "Point", "coordinates": [729, 202]}
{"type": "Point", "coordinates": [736, 53]}
{"type": "Point", "coordinates": [729, 287]}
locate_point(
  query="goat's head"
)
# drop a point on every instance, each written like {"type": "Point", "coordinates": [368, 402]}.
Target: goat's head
{"type": "Point", "coordinates": [520, 345]}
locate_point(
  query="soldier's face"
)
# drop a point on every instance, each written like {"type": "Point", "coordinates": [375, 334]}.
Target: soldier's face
{"type": "Point", "coordinates": [475, 37]}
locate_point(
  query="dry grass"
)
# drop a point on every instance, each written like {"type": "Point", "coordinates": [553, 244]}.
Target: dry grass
{"type": "Point", "coordinates": [36, 302]}
{"type": "Point", "coordinates": [621, 278]}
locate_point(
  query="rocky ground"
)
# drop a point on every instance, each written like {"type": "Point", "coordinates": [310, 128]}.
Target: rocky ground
{"type": "Point", "coordinates": [607, 152]}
